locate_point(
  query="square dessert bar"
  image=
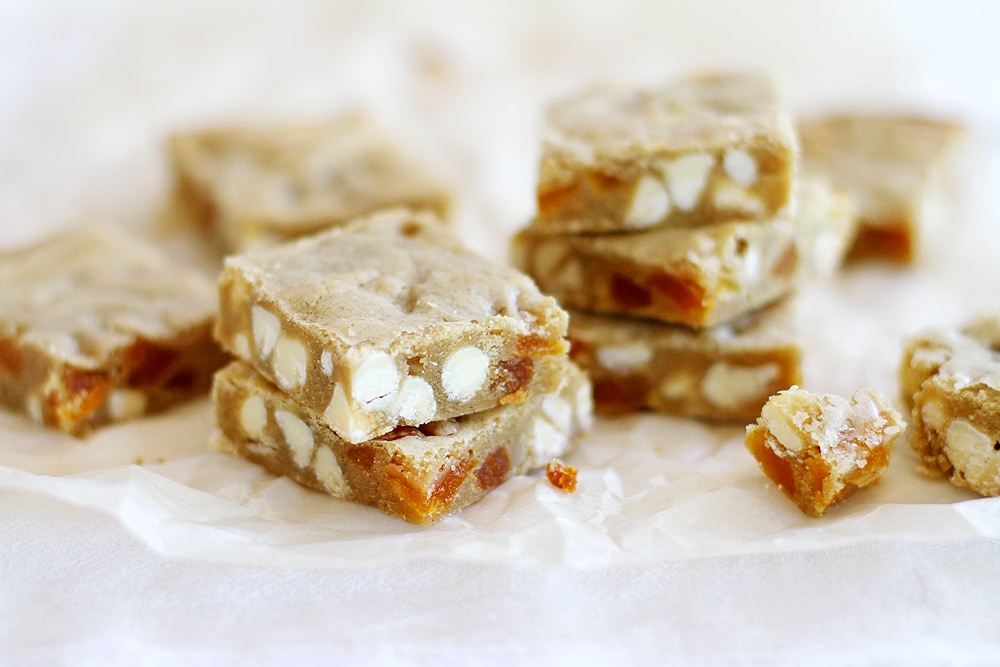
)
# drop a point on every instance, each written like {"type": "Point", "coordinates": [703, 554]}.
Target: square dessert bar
{"type": "Point", "coordinates": [956, 405]}
{"type": "Point", "coordinates": [722, 374]}
{"type": "Point", "coordinates": [387, 321]}
{"type": "Point", "coordinates": [821, 448]}
{"type": "Point", "coordinates": [699, 276]}
{"type": "Point", "coordinates": [701, 150]}
{"type": "Point", "coordinates": [97, 326]}
{"type": "Point", "coordinates": [420, 474]}
{"type": "Point", "coordinates": [258, 186]}
{"type": "Point", "coordinates": [897, 167]}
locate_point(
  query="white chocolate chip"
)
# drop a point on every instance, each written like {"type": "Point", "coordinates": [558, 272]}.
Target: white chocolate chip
{"type": "Point", "coordinates": [241, 347]}
{"type": "Point", "coordinates": [340, 418]}
{"type": "Point", "coordinates": [780, 426]}
{"type": "Point", "coordinates": [298, 436]}
{"type": "Point", "coordinates": [678, 385]}
{"type": "Point", "coordinates": [971, 452]}
{"type": "Point", "coordinates": [464, 373]}
{"type": "Point", "coordinates": [326, 363]}
{"type": "Point", "coordinates": [329, 473]}
{"type": "Point", "coordinates": [253, 417]}
{"type": "Point", "coordinates": [650, 203]}
{"type": "Point", "coordinates": [376, 380]}
{"type": "Point", "coordinates": [290, 362]}
{"type": "Point", "coordinates": [549, 257]}
{"type": "Point", "coordinates": [934, 415]}
{"type": "Point", "coordinates": [624, 358]}
{"type": "Point", "coordinates": [584, 402]}
{"type": "Point", "coordinates": [33, 405]}
{"type": "Point", "coordinates": [559, 412]}
{"type": "Point", "coordinates": [570, 277]}
{"type": "Point", "coordinates": [740, 166]}
{"type": "Point", "coordinates": [416, 401]}
{"type": "Point", "coordinates": [126, 403]}
{"type": "Point", "coordinates": [729, 196]}
{"type": "Point", "coordinates": [686, 178]}
{"type": "Point", "coordinates": [266, 329]}
{"type": "Point", "coordinates": [548, 441]}
{"type": "Point", "coordinates": [730, 387]}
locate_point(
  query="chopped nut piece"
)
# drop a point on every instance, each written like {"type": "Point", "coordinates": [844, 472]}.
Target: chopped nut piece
{"type": "Point", "coordinates": [627, 159]}
{"type": "Point", "coordinates": [259, 186]}
{"type": "Point", "coordinates": [418, 474]}
{"type": "Point", "coordinates": [819, 449]}
{"type": "Point", "coordinates": [97, 327]}
{"type": "Point", "coordinates": [953, 380]}
{"type": "Point", "coordinates": [721, 374]}
{"type": "Point", "coordinates": [394, 322]}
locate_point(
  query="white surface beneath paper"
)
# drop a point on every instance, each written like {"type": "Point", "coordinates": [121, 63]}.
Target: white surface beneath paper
{"type": "Point", "coordinates": [88, 97]}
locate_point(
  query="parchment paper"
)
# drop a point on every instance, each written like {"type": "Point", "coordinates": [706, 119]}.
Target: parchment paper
{"type": "Point", "coordinates": [89, 95]}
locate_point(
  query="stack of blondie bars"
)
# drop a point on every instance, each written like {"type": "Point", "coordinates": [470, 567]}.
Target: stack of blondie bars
{"type": "Point", "coordinates": [675, 222]}
{"type": "Point", "coordinates": [382, 362]}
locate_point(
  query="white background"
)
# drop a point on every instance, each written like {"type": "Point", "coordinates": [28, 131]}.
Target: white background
{"type": "Point", "coordinates": [673, 550]}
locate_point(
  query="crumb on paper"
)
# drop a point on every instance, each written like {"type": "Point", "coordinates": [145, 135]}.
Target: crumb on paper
{"type": "Point", "coordinates": [561, 475]}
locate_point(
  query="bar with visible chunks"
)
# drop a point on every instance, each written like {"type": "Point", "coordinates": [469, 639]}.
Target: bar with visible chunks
{"type": "Point", "coordinates": [99, 326]}
{"type": "Point", "coordinates": [701, 150]}
{"type": "Point", "coordinates": [722, 374]}
{"type": "Point", "coordinates": [259, 185]}
{"type": "Point", "coordinates": [417, 473]}
{"type": "Point", "coordinates": [387, 321]}
{"type": "Point", "coordinates": [821, 448]}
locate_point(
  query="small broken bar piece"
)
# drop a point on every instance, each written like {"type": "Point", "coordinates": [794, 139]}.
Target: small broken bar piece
{"type": "Point", "coordinates": [722, 374]}
{"type": "Point", "coordinates": [98, 326]}
{"type": "Point", "coordinates": [561, 475]}
{"type": "Point", "coordinates": [821, 448]}
{"type": "Point", "coordinates": [956, 406]}
{"type": "Point", "coordinates": [387, 321]}
{"type": "Point", "coordinates": [702, 150]}
{"type": "Point", "coordinates": [899, 170]}
{"type": "Point", "coordinates": [257, 186]}
{"type": "Point", "coordinates": [420, 474]}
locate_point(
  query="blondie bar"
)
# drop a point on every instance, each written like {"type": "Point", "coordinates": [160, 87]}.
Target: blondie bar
{"type": "Point", "coordinates": [387, 321]}
{"type": "Point", "coordinates": [97, 326]}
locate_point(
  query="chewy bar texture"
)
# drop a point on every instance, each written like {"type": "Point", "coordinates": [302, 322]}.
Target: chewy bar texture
{"type": "Point", "coordinates": [697, 277]}
{"type": "Point", "coordinates": [258, 186]}
{"type": "Point", "coordinates": [821, 448]}
{"type": "Point", "coordinates": [97, 326]}
{"type": "Point", "coordinates": [722, 374]}
{"type": "Point", "coordinates": [387, 321]}
{"type": "Point", "coordinates": [897, 167]}
{"type": "Point", "coordinates": [420, 474]}
{"type": "Point", "coordinates": [956, 403]}
{"type": "Point", "coordinates": [700, 276]}
{"type": "Point", "coordinates": [702, 150]}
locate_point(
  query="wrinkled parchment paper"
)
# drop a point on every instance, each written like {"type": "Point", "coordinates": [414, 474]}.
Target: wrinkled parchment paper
{"type": "Point", "coordinates": [89, 96]}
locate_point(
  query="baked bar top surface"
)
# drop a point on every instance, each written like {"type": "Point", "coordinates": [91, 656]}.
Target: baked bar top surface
{"type": "Point", "coordinates": [693, 114]}
{"type": "Point", "coordinates": [963, 358]}
{"type": "Point", "coordinates": [291, 173]}
{"type": "Point", "coordinates": [879, 157]}
{"type": "Point", "coordinates": [393, 276]}
{"type": "Point", "coordinates": [82, 296]}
